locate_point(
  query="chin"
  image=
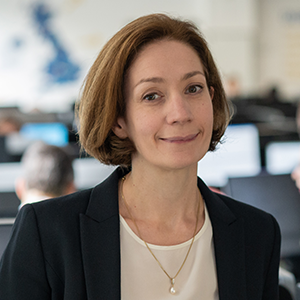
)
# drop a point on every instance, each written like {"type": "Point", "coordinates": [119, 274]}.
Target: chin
{"type": "Point", "coordinates": [181, 164]}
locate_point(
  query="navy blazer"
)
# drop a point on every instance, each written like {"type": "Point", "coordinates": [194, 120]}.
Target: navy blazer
{"type": "Point", "coordinates": [69, 248]}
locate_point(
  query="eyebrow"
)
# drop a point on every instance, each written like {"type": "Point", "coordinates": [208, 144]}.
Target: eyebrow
{"type": "Point", "coordinates": [159, 79]}
{"type": "Point", "coordinates": [192, 74]}
{"type": "Point", "coordinates": [151, 79]}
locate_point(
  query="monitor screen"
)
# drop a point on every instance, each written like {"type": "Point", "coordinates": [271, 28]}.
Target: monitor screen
{"type": "Point", "coordinates": [276, 194]}
{"type": "Point", "coordinates": [282, 157]}
{"type": "Point", "coordinates": [237, 155]}
{"type": "Point", "coordinates": [5, 231]}
{"type": "Point", "coordinates": [90, 172]}
{"type": "Point", "coordinates": [9, 204]}
{"type": "Point", "coordinates": [51, 133]}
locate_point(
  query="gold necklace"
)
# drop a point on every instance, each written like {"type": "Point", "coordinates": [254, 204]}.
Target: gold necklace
{"type": "Point", "coordinates": [172, 289]}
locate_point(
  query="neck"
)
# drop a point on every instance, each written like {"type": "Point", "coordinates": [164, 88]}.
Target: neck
{"type": "Point", "coordinates": [33, 195]}
{"type": "Point", "coordinates": [163, 191]}
{"type": "Point", "coordinates": [165, 201]}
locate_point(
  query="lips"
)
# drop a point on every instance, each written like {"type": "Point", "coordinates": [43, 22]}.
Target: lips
{"type": "Point", "coordinates": [181, 139]}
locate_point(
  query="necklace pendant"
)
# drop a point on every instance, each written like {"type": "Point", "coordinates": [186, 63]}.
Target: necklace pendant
{"type": "Point", "coordinates": [172, 288]}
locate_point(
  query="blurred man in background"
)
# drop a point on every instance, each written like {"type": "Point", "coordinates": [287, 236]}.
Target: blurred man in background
{"type": "Point", "coordinates": [47, 173]}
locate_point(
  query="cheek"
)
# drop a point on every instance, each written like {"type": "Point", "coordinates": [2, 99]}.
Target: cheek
{"type": "Point", "coordinates": [207, 113]}
{"type": "Point", "coordinates": [142, 125]}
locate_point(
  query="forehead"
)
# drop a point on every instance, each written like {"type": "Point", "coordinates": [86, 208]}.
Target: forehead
{"type": "Point", "coordinates": [163, 57]}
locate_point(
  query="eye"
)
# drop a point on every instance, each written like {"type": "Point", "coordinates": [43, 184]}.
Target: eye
{"type": "Point", "coordinates": [150, 97]}
{"type": "Point", "coordinates": [193, 89]}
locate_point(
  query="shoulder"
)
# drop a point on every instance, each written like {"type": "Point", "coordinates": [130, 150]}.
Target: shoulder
{"type": "Point", "coordinates": [244, 210]}
{"type": "Point", "coordinates": [77, 201]}
{"type": "Point", "coordinates": [257, 224]}
{"type": "Point", "coordinates": [229, 208]}
{"type": "Point", "coordinates": [63, 212]}
{"type": "Point", "coordinates": [53, 216]}
{"type": "Point", "coordinates": [226, 210]}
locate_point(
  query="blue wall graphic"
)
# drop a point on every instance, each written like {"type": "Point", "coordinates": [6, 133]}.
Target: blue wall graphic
{"type": "Point", "coordinates": [60, 69]}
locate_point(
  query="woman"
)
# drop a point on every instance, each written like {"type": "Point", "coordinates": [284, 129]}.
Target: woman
{"type": "Point", "coordinates": [153, 103]}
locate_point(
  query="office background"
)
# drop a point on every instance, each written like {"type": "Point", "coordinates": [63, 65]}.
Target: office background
{"type": "Point", "coordinates": [255, 43]}
{"type": "Point", "coordinates": [47, 47]}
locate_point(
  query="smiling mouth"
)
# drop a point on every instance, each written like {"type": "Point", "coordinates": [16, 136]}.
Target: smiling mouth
{"type": "Point", "coordinates": [181, 139]}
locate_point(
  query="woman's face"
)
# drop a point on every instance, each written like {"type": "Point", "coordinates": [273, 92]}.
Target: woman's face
{"type": "Point", "coordinates": [169, 113]}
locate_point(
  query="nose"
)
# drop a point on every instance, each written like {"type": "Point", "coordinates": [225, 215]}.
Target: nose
{"type": "Point", "coordinates": [178, 109]}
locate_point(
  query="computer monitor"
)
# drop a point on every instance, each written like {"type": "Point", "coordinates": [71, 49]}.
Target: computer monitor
{"type": "Point", "coordinates": [51, 133]}
{"type": "Point", "coordinates": [88, 172]}
{"type": "Point", "coordinates": [237, 155]}
{"type": "Point", "coordinates": [282, 157]}
{"type": "Point", "coordinates": [9, 172]}
{"type": "Point", "coordinates": [5, 232]}
{"type": "Point", "coordinates": [276, 194]}
{"type": "Point", "coordinates": [9, 204]}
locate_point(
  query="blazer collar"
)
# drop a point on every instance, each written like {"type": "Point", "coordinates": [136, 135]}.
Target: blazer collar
{"type": "Point", "coordinates": [229, 246]}
{"type": "Point", "coordinates": [103, 202]}
{"type": "Point", "coordinates": [100, 240]}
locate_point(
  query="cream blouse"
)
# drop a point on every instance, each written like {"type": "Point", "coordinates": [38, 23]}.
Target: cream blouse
{"type": "Point", "coordinates": [143, 279]}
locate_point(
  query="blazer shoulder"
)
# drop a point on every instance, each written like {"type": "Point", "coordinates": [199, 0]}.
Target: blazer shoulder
{"type": "Point", "coordinates": [252, 216]}
{"type": "Point", "coordinates": [97, 202]}
{"type": "Point", "coordinates": [241, 208]}
{"type": "Point", "coordinates": [221, 206]}
{"type": "Point", "coordinates": [77, 201]}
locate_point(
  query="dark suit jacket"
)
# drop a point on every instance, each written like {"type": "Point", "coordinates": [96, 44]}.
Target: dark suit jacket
{"type": "Point", "coordinates": [69, 248]}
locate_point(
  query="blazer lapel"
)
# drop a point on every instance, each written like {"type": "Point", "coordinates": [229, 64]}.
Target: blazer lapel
{"type": "Point", "coordinates": [229, 245]}
{"type": "Point", "coordinates": [100, 241]}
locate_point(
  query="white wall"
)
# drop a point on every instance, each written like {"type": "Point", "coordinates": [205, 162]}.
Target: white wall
{"type": "Point", "coordinates": [232, 32]}
{"type": "Point", "coordinates": [280, 46]}
{"type": "Point", "coordinates": [250, 39]}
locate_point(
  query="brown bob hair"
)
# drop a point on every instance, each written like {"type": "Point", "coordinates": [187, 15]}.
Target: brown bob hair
{"type": "Point", "coordinates": [102, 100]}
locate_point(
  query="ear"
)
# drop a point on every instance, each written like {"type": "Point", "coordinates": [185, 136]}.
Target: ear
{"type": "Point", "coordinates": [20, 188]}
{"type": "Point", "coordinates": [211, 92]}
{"type": "Point", "coordinates": [71, 188]}
{"type": "Point", "coordinates": [119, 128]}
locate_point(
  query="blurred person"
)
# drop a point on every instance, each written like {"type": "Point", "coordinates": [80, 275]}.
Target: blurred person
{"type": "Point", "coordinates": [154, 104]}
{"type": "Point", "coordinates": [232, 87]}
{"type": "Point", "coordinates": [296, 176]}
{"type": "Point", "coordinates": [9, 125]}
{"type": "Point", "coordinates": [47, 172]}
